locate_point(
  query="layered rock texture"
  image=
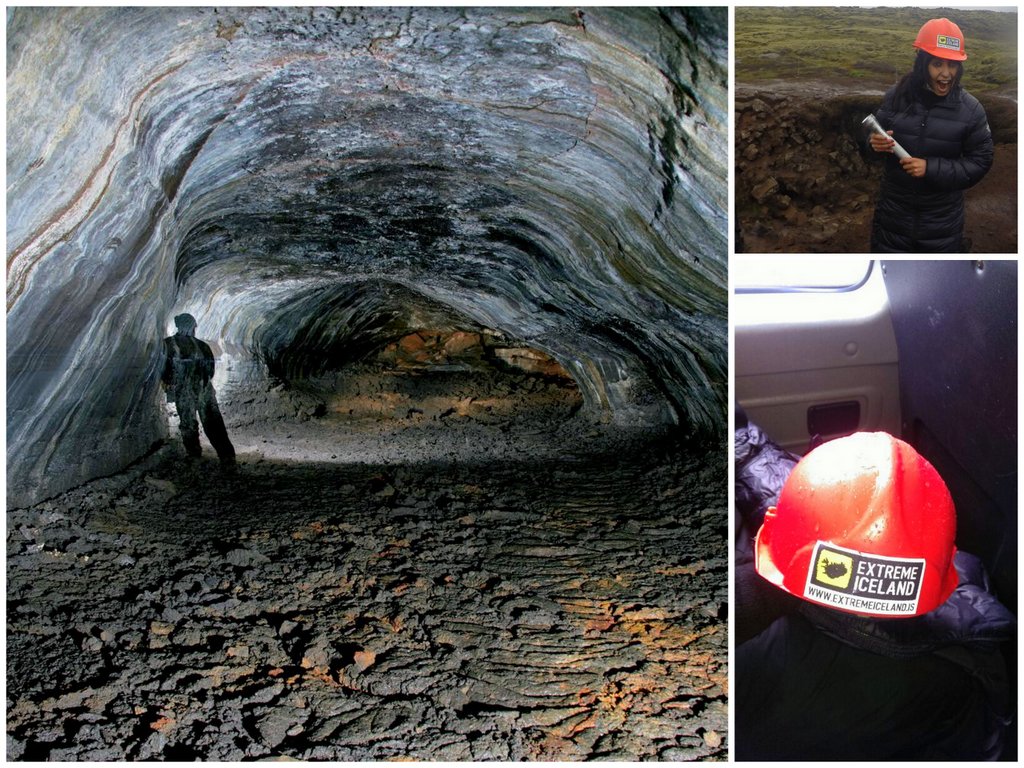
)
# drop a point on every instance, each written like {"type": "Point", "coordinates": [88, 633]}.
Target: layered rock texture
{"type": "Point", "coordinates": [464, 275]}
{"type": "Point", "coordinates": [313, 184]}
{"type": "Point", "coordinates": [495, 611]}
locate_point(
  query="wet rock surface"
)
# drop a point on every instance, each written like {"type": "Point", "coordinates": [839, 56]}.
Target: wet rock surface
{"type": "Point", "coordinates": [568, 603]}
{"type": "Point", "coordinates": [315, 184]}
{"type": "Point", "coordinates": [480, 552]}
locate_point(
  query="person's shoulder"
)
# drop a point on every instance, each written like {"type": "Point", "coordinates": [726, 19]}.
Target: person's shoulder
{"type": "Point", "coordinates": [204, 348]}
{"type": "Point", "coordinates": [890, 95]}
{"type": "Point", "coordinates": [970, 102]}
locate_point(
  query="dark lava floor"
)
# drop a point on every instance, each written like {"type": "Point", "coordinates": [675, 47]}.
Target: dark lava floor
{"type": "Point", "coordinates": [566, 607]}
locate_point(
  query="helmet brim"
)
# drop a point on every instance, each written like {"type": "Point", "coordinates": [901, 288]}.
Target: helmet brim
{"type": "Point", "coordinates": [939, 53]}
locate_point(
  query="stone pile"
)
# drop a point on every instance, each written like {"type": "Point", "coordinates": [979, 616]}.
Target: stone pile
{"type": "Point", "coordinates": [375, 398]}
{"type": "Point", "coordinates": [802, 182]}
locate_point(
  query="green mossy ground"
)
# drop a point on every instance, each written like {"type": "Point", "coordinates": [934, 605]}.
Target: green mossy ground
{"type": "Point", "coordinates": [872, 46]}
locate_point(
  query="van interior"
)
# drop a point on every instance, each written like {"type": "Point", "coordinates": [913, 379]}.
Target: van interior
{"type": "Point", "coordinates": [923, 349]}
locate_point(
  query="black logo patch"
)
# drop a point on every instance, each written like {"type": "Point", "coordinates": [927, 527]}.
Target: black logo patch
{"type": "Point", "coordinates": [857, 581]}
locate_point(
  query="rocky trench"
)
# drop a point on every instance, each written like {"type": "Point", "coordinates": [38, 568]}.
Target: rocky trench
{"type": "Point", "coordinates": [567, 606]}
{"type": "Point", "coordinates": [805, 183]}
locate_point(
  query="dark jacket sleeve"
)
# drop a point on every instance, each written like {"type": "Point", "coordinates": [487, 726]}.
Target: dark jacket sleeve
{"type": "Point", "coordinates": [167, 369]}
{"type": "Point", "coordinates": [884, 113]}
{"type": "Point", "coordinates": [970, 168]}
{"type": "Point", "coordinates": [208, 364]}
{"type": "Point", "coordinates": [762, 467]}
{"type": "Point", "coordinates": [886, 116]}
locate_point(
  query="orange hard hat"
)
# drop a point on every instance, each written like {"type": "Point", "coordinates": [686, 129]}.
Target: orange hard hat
{"type": "Point", "coordinates": [942, 38]}
{"type": "Point", "coordinates": [864, 524]}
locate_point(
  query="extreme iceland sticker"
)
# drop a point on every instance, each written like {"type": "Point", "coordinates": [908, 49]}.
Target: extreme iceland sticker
{"type": "Point", "coordinates": [948, 42]}
{"type": "Point", "coordinates": [856, 581]}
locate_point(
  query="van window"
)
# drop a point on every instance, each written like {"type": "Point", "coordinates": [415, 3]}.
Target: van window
{"type": "Point", "coordinates": [798, 273]}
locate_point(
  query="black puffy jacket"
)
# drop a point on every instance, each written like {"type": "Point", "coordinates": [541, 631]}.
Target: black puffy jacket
{"type": "Point", "coordinates": [926, 215]}
{"type": "Point", "coordinates": [762, 466]}
{"type": "Point", "coordinates": [821, 685]}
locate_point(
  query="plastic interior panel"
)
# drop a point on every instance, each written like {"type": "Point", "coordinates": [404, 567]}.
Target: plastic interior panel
{"type": "Point", "coordinates": [778, 403]}
{"type": "Point", "coordinates": [797, 350]}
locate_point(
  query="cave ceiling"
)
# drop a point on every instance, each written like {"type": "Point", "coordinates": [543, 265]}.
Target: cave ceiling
{"type": "Point", "coordinates": [556, 175]}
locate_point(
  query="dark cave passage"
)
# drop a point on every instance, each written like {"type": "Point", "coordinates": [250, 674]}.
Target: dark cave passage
{"type": "Point", "coordinates": [314, 184]}
{"type": "Point", "coordinates": [463, 273]}
{"type": "Point", "coordinates": [428, 395]}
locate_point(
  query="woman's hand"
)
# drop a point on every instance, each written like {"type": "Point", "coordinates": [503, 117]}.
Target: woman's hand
{"type": "Point", "coordinates": [881, 143]}
{"type": "Point", "coordinates": [915, 166]}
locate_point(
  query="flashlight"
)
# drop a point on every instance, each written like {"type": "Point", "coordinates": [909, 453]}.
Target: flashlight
{"type": "Point", "coordinates": [874, 125]}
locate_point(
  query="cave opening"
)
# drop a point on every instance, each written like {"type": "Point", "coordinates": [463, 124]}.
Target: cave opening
{"type": "Point", "coordinates": [437, 375]}
{"type": "Point", "coordinates": [463, 272]}
{"type": "Point", "coordinates": [376, 371]}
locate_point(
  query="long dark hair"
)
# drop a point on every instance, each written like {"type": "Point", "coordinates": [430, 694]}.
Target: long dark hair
{"type": "Point", "coordinates": [910, 86]}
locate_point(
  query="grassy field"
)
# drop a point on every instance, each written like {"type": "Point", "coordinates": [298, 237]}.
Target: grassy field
{"type": "Point", "coordinates": [869, 46]}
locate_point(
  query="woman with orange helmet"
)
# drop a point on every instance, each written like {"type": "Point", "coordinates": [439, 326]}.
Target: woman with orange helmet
{"type": "Point", "coordinates": [889, 646]}
{"type": "Point", "coordinates": [920, 208]}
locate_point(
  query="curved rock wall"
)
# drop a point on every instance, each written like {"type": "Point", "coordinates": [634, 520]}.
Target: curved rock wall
{"type": "Point", "coordinates": [555, 175]}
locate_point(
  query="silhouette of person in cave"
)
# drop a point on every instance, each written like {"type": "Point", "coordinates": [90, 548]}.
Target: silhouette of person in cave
{"type": "Point", "coordinates": [187, 377]}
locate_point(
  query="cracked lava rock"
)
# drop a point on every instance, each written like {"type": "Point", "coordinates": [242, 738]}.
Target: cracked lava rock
{"type": "Point", "coordinates": [464, 273]}
{"type": "Point", "coordinates": [452, 609]}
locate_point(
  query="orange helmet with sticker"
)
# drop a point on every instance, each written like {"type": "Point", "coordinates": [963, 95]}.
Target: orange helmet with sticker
{"type": "Point", "coordinates": [864, 524]}
{"type": "Point", "coordinates": [942, 38]}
